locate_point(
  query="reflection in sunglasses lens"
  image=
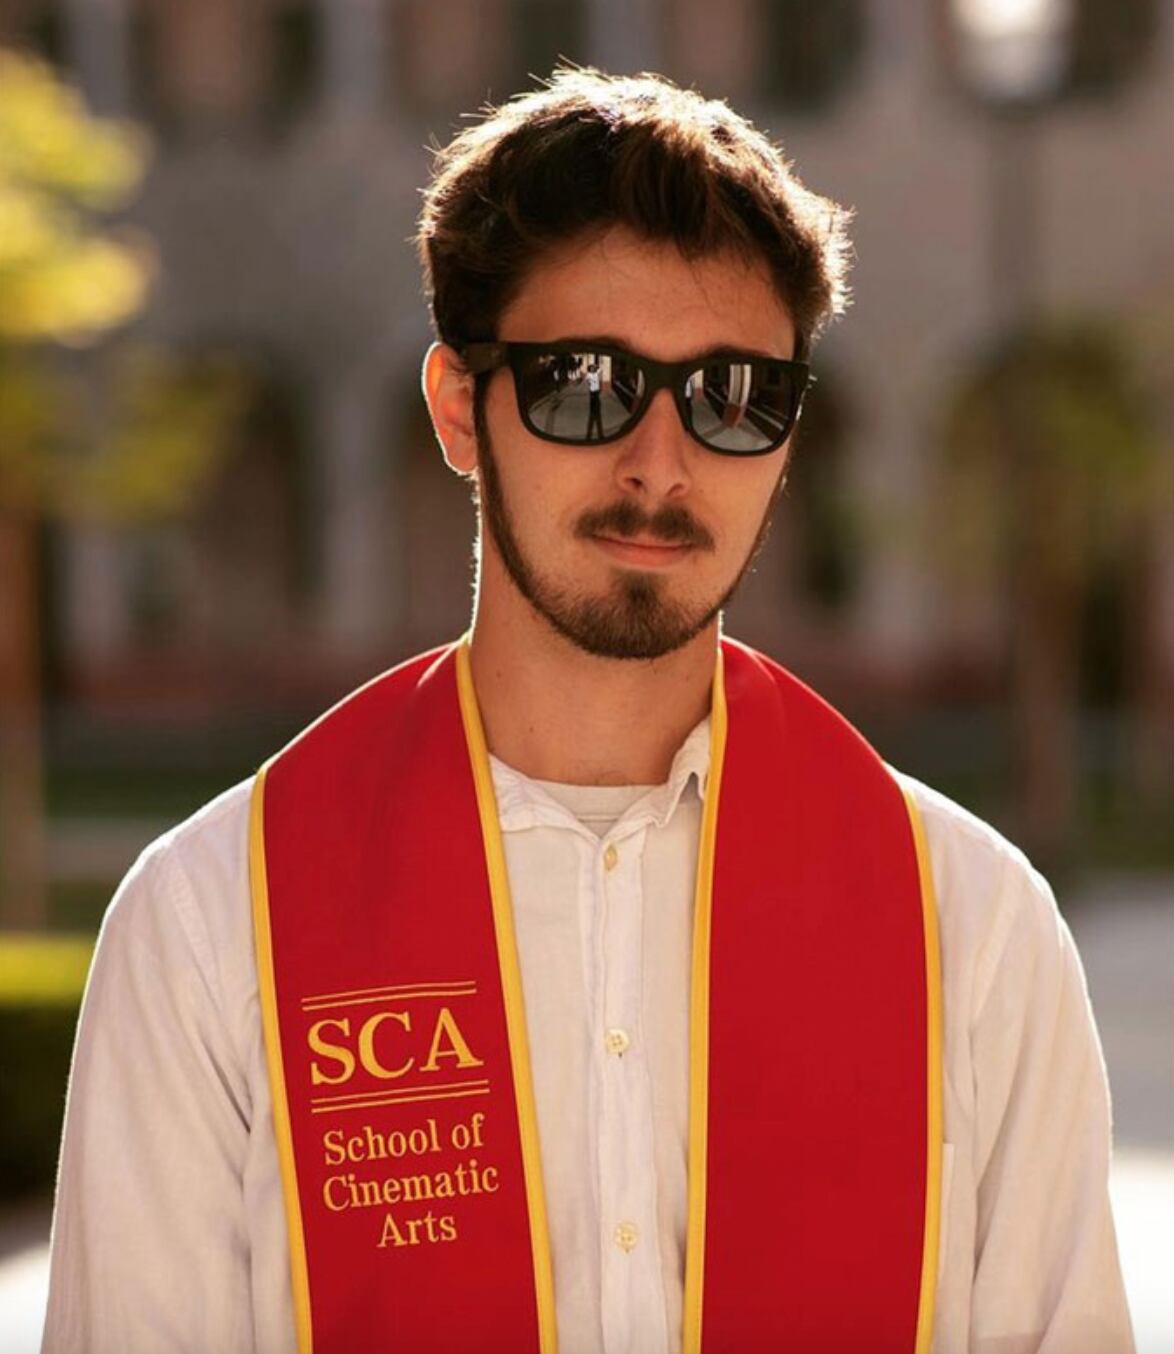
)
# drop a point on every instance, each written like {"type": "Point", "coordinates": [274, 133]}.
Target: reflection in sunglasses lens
{"type": "Point", "coordinates": [739, 406]}
{"type": "Point", "coordinates": [581, 396]}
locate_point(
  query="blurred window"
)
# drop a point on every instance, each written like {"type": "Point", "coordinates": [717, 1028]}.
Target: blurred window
{"type": "Point", "coordinates": [449, 59]}
{"type": "Point", "coordinates": [199, 66]}
{"type": "Point", "coordinates": [47, 35]}
{"type": "Point", "coordinates": [820, 524]}
{"type": "Point", "coordinates": [718, 50]}
{"type": "Point", "coordinates": [446, 57]}
{"type": "Point", "coordinates": [1111, 626]}
{"type": "Point", "coordinates": [809, 53]}
{"type": "Point", "coordinates": [794, 55]}
{"type": "Point", "coordinates": [541, 33]}
{"type": "Point", "coordinates": [242, 65]}
{"type": "Point", "coordinates": [296, 56]}
{"type": "Point", "coordinates": [35, 25]}
{"type": "Point", "coordinates": [237, 568]}
{"type": "Point", "coordinates": [1111, 40]}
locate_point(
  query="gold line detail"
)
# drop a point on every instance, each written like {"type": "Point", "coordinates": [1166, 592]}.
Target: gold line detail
{"type": "Point", "coordinates": [699, 1020]}
{"type": "Point", "coordinates": [396, 996]}
{"type": "Point", "coordinates": [399, 1100]}
{"type": "Point", "coordinates": [396, 990]}
{"type": "Point", "coordinates": [515, 1010]}
{"type": "Point", "coordinates": [933, 1137]}
{"type": "Point", "coordinates": [283, 1133]}
{"type": "Point", "coordinates": [400, 1090]}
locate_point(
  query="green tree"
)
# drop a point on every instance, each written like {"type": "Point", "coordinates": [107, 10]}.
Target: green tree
{"type": "Point", "coordinates": [119, 433]}
{"type": "Point", "coordinates": [1055, 473]}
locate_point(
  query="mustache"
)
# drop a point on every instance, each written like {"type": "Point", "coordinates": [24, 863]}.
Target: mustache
{"type": "Point", "coordinates": [673, 525]}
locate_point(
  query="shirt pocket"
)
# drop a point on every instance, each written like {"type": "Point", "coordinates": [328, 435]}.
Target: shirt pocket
{"type": "Point", "coordinates": [944, 1211]}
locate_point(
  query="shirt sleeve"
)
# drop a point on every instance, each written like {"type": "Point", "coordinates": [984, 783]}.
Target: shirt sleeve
{"type": "Point", "coordinates": [150, 1243]}
{"type": "Point", "coordinates": [1047, 1277]}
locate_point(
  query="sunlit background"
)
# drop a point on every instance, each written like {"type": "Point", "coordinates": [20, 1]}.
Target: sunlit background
{"type": "Point", "coordinates": [221, 506]}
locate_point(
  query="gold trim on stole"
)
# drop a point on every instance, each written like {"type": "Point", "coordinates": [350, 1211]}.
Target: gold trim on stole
{"type": "Point", "coordinates": [515, 1011]}
{"type": "Point", "coordinates": [699, 1021]}
{"type": "Point", "coordinates": [933, 1083]}
{"type": "Point", "coordinates": [267, 992]}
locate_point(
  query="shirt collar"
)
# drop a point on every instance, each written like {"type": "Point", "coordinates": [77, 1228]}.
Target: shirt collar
{"type": "Point", "coordinates": [523, 803]}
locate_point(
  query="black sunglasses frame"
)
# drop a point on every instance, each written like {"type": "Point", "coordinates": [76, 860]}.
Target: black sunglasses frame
{"type": "Point", "coordinates": [480, 358]}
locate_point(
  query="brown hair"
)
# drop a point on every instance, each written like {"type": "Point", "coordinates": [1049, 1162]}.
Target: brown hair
{"type": "Point", "coordinates": [587, 151]}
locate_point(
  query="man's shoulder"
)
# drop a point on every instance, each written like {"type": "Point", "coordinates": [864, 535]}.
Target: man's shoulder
{"type": "Point", "coordinates": [214, 835]}
{"type": "Point", "coordinates": [189, 886]}
{"type": "Point", "coordinates": [989, 896]}
{"type": "Point", "coordinates": [948, 821]}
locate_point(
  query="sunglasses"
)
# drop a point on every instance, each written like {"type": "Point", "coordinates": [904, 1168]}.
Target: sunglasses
{"type": "Point", "coordinates": [584, 394]}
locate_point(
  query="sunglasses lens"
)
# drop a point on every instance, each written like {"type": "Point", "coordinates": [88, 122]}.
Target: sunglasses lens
{"type": "Point", "coordinates": [736, 406]}
{"type": "Point", "coordinates": [742, 408]}
{"type": "Point", "coordinates": [580, 397]}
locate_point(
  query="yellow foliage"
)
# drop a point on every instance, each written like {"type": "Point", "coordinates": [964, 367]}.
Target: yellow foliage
{"type": "Point", "coordinates": [49, 141]}
{"type": "Point", "coordinates": [76, 291]}
{"type": "Point", "coordinates": [168, 432]}
{"type": "Point", "coordinates": [43, 970]}
{"type": "Point", "coordinates": [61, 277]}
{"type": "Point", "coordinates": [130, 434]}
{"type": "Point", "coordinates": [134, 433]}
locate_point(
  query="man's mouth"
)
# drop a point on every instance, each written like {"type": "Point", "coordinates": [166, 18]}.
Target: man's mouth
{"type": "Point", "coordinates": [642, 551]}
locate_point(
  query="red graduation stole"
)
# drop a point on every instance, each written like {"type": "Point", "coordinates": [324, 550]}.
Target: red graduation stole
{"type": "Point", "coordinates": [396, 1037]}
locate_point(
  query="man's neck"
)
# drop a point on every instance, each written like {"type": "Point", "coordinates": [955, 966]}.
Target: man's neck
{"type": "Point", "coordinates": [557, 713]}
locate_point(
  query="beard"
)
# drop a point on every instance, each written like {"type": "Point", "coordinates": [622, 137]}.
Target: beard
{"type": "Point", "coordinates": [633, 619]}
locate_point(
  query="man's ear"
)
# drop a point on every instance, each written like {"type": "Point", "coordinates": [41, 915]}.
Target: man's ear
{"type": "Point", "coordinates": [448, 390]}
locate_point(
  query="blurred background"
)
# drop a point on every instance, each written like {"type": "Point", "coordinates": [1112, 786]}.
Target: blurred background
{"type": "Point", "coordinates": [221, 507]}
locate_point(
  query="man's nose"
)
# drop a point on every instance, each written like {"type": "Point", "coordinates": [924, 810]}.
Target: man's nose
{"type": "Point", "coordinates": [653, 463]}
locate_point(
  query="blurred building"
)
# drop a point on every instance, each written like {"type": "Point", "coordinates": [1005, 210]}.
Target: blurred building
{"type": "Point", "coordinates": [291, 143]}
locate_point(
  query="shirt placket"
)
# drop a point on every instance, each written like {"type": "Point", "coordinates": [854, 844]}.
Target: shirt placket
{"type": "Point", "coordinates": [632, 1285]}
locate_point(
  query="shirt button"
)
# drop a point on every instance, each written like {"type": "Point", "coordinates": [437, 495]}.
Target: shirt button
{"type": "Point", "coordinates": [626, 1236]}
{"type": "Point", "coordinates": [611, 858]}
{"type": "Point", "coordinates": [617, 1041]}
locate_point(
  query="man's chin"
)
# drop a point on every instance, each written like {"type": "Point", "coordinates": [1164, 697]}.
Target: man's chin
{"type": "Point", "coordinates": [640, 628]}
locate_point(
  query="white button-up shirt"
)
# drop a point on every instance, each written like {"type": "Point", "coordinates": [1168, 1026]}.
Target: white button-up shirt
{"type": "Point", "coordinates": [170, 1235]}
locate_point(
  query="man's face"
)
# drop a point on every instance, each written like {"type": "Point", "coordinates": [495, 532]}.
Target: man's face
{"type": "Point", "coordinates": [629, 549]}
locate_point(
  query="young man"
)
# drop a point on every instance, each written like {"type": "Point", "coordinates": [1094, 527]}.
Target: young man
{"type": "Point", "coordinates": [591, 984]}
